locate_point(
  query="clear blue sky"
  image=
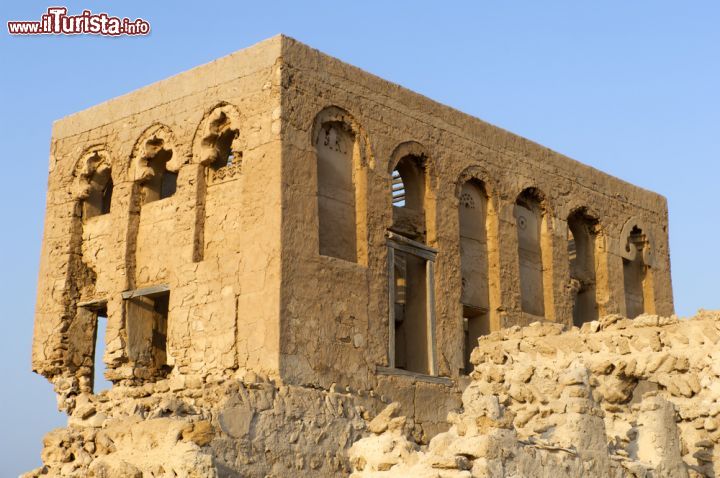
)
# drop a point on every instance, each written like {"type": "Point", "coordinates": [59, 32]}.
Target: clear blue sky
{"type": "Point", "coordinates": [630, 88]}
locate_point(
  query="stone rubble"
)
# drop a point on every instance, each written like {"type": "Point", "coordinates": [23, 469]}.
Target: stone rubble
{"type": "Point", "coordinates": [615, 398]}
{"type": "Point", "coordinates": [204, 430]}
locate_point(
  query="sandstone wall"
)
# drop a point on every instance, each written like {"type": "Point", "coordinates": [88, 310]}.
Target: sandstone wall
{"type": "Point", "coordinates": [236, 249]}
{"type": "Point", "coordinates": [246, 426]}
{"type": "Point", "coordinates": [618, 397]}
{"type": "Point", "coordinates": [334, 312]}
{"type": "Point", "coordinates": [215, 243]}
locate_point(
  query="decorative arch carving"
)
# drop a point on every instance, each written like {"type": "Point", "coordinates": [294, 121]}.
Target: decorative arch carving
{"type": "Point", "coordinates": [630, 253]}
{"type": "Point", "coordinates": [341, 117]}
{"type": "Point", "coordinates": [480, 174]}
{"type": "Point", "coordinates": [93, 187]}
{"type": "Point", "coordinates": [95, 160]}
{"type": "Point", "coordinates": [218, 142]}
{"type": "Point", "coordinates": [590, 214]}
{"type": "Point", "coordinates": [155, 140]}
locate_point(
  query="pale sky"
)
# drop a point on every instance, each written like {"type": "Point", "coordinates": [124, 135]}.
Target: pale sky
{"type": "Point", "coordinates": [630, 88]}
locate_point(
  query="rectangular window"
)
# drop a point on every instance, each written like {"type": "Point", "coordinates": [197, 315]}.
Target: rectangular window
{"type": "Point", "coordinates": [412, 305]}
{"type": "Point", "coordinates": [87, 342]}
{"type": "Point", "coordinates": [100, 383]}
{"type": "Point", "coordinates": [146, 313]}
{"type": "Point", "coordinates": [476, 323]}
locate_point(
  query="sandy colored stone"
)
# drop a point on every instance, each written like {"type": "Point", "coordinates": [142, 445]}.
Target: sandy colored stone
{"type": "Point", "coordinates": [201, 433]}
{"type": "Point", "coordinates": [234, 225]}
{"type": "Point", "coordinates": [590, 429]}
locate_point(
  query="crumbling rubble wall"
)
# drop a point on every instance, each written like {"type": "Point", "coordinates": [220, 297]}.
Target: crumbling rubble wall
{"type": "Point", "coordinates": [247, 426]}
{"type": "Point", "coordinates": [618, 397]}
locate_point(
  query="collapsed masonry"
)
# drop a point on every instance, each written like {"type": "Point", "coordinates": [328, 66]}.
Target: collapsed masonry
{"type": "Point", "coordinates": [616, 398]}
{"type": "Point", "coordinates": [280, 214]}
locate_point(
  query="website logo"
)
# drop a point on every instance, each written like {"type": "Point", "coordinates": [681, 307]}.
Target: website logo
{"type": "Point", "coordinates": [57, 22]}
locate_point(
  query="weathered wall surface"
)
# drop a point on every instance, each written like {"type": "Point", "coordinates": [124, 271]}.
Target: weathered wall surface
{"type": "Point", "coordinates": [215, 243]}
{"type": "Point", "coordinates": [236, 218]}
{"type": "Point", "coordinates": [343, 336]}
{"type": "Point", "coordinates": [618, 397]}
{"type": "Point", "coordinates": [246, 426]}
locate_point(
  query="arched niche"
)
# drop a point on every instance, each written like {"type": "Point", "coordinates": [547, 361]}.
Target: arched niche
{"type": "Point", "coordinates": [636, 252]}
{"type": "Point", "coordinates": [94, 182]}
{"type": "Point", "coordinates": [155, 163]}
{"type": "Point", "coordinates": [408, 170]}
{"type": "Point", "coordinates": [473, 204]}
{"type": "Point", "coordinates": [529, 212]}
{"type": "Point", "coordinates": [583, 229]}
{"type": "Point", "coordinates": [341, 153]}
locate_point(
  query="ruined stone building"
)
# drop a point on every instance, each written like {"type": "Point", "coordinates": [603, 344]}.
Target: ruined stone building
{"type": "Point", "coordinates": [281, 213]}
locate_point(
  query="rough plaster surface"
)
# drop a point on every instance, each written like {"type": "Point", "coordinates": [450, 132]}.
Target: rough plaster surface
{"type": "Point", "coordinates": [237, 246]}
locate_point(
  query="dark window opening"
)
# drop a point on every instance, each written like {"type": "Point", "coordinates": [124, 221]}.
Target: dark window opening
{"type": "Point", "coordinates": [408, 198]}
{"type": "Point", "coordinates": [147, 322]}
{"type": "Point", "coordinates": [99, 196]}
{"type": "Point", "coordinates": [412, 347]}
{"type": "Point", "coordinates": [476, 323]}
{"type": "Point", "coordinates": [163, 182]}
{"type": "Point", "coordinates": [168, 185]}
{"type": "Point", "coordinates": [107, 197]}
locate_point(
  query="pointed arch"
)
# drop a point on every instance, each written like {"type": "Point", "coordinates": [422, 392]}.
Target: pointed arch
{"type": "Point", "coordinates": [155, 163]}
{"type": "Point", "coordinates": [636, 241]}
{"type": "Point", "coordinates": [583, 228]}
{"type": "Point", "coordinates": [530, 212]}
{"type": "Point", "coordinates": [93, 182]}
{"type": "Point", "coordinates": [342, 156]}
{"type": "Point", "coordinates": [218, 142]}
